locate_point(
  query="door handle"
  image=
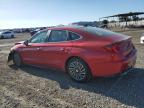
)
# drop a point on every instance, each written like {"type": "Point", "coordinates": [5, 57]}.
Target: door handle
{"type": "Point", "coordinates": [65, 50]}
{"type": "Point", "coordinates": [62, 49]}
{"type": "Point", "coordinates": [38, 48]}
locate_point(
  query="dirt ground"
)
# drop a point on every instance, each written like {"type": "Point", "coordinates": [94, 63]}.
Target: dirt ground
{"type": "Point", "coordinates": [30, 87]}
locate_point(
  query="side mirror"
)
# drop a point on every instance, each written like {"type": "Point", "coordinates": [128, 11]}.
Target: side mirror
{"type": "Point", "coordinates": [26, 42]}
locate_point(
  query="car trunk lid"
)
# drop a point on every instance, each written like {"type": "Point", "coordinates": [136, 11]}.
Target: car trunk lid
{"type": "Point", "coordinates": [120, 44]}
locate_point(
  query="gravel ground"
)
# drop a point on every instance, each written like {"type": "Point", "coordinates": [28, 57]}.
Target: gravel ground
{"type": "Point", "coordinates": [31, 87]}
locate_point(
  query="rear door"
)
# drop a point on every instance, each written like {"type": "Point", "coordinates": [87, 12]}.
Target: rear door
{"type": "Point", "coordinates": [57, 50]}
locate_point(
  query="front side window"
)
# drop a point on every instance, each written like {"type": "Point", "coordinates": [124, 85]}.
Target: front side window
{"type": "Point", "coordinates": [39, 38]}
{"type": "Point", "coordinates": [58, 36]}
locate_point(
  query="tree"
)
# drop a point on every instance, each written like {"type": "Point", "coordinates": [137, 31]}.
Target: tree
{"type": "Point", "coordinates": [135, 18]}
{"type": "Point", "coordinates": [105, 23]}
{"type": "Point", "coordinates": [124, 19]}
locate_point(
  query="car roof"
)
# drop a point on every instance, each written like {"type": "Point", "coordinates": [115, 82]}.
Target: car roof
{"type": "Point", "coordinates": [66, 27]}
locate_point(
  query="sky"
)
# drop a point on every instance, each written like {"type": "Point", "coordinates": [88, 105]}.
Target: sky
{"type": "Point", "coordinates": [37, 13]}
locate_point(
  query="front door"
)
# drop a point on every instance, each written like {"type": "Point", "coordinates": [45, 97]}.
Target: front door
{"type": "Point", "coordinates": [31, 53]}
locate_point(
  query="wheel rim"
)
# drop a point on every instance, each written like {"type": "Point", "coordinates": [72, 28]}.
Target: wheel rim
{"type": "Point", "coordinates": [17, 59]}
{"type": "Point", "coordinates": [77, 70]}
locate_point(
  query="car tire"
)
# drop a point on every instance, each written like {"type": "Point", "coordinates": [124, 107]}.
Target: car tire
{"type": "Point", "coordinates": [17, 59]}
{"type": "Point", "coordinates": [78, 70]}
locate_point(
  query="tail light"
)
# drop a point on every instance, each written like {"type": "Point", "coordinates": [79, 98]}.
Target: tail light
{"type": "Point", "coordinates": [112, 48]}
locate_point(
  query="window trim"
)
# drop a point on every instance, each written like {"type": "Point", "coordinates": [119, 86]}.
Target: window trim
{"type": "Point", "coordinates": [68, 40]}
{"type": "Point", "coordinates": [49, 32]}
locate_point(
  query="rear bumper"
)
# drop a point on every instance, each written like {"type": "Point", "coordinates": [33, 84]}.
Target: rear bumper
{"type": "Point", "coordinates": [105, 69]}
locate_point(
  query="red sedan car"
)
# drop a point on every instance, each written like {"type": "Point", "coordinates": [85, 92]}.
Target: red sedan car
{"type": "Point", "coordinates": [83, 52]}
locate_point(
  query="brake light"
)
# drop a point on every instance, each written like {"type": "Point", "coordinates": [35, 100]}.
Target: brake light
{"type": "Point", "coordinates": [112, 48]}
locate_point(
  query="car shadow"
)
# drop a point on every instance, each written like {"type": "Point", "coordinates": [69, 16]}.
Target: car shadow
{"type": "Point", "coordinates": [127, 89]}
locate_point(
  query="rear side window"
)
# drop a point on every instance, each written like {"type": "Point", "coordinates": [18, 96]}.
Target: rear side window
{"type": "Point", "coordinates": [74, 36]}
{"type": "Point", "coordinates": [58, 36]}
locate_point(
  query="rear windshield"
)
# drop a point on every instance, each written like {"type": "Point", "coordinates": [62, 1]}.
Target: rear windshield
{"type": "Point", "coordinates": [98, 31]}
